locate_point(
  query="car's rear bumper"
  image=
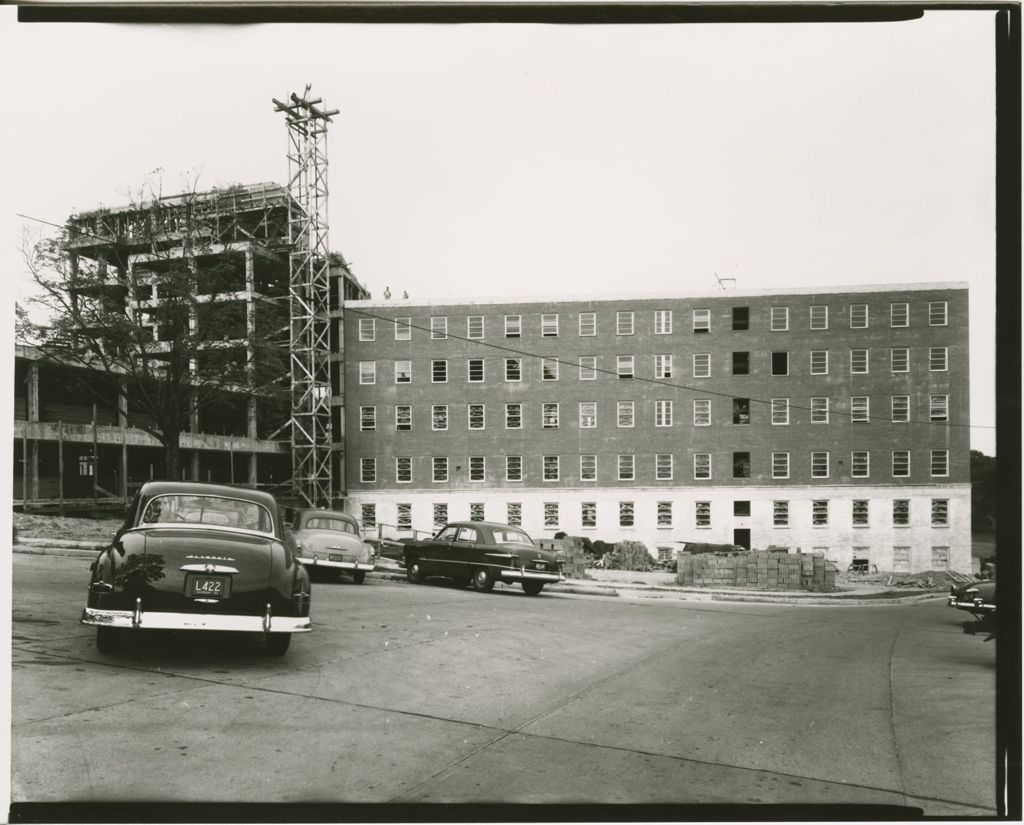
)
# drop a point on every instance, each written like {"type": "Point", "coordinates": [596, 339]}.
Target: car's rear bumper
{"type": "Point", "coordinates": [313, 561]}
{"type": "Point", "coordinates": [143, 620]}
{"type": "Point", "coordinates": [973, 606]}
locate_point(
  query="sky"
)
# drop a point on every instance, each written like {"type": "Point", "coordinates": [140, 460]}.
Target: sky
{"type": "Point", "coordinates": [524, 160]}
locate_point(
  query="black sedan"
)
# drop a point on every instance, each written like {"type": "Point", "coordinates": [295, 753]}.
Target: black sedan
{"type": "Point", "coordinates": [482, 553]}
{"type": "Point", "coordinates": [194, 556]}
{"type": "Point", "coordinates": [979, 599]}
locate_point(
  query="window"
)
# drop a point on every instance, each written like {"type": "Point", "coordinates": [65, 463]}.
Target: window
{"type": "Point", "coordinates": [779, 319]}
{"type": "Point", "coordinates": [663, 466]}
{"type": "Point", "coordinates": [860, 512]}
{"type": "Point", "coordinates": [900, 463]}
{"type": "Point", "coordinates": [901, 559]}
{"type": "Point", "coordinates": [780, 363]}
{"type": "Point", "coordinates": [858, 316]}
{"type": "Point", "coordinates": [859, 406]}
{"type": "Point", "coordinates": [440, 468]}
{"type": "Point", "coordinates": [901, 512]}
{"type": "Point", "coordinates": [819, 362]}
{"type": "Point", "coordinates": [513, 468]}
{"type": "Point", "coordinates": [513, 416]}
{"type": "Point", "coordinates": [938, 359]}
{"type": "Point", "coordinates": [514, 514]}
{"type": "Point", "coordinates": [741, 465]}
{"type": "Point", "coordinates": [549, 325]}
{"type": "Point", "coordinates": [702, 513]}
{"type": "Point", "coordinates": [439, 327]}
{"type": "Point", "coordinates": [588, 367]}
{"type": "Point", "coordinates": [780, 514]}
{"type": "Point", "coordinates": [440, 515]}
{"type": "Point", "coordinates": [900, 408]}
{"type": "Point", "coordinates": [439, 417]}
{"type": "Point", "coordinates": [588, 468]}
{"type": "Point", "coordinates": [819, 464]}
{"type": "Point", "coordinates": [938, 407]}
{"type": "Point", "coordinates": [625, 413]}
{"type": "Point", "coordinates": [513, 326]}
{"type": "Point", "coordinates": [899, 359]}
{"type": "Point", "coordinates": [475, 326]}
{"type": "Point", "coordinates": [439, 372]}
{"type": "Point", "coordinates": [403, 469]}
{"type": "Point", "coordinates": [476, 513]}
{"type": "Point", "coordinates": [404, 519]}
{"type": "Point", "coordinates": [702, 465]}
{"type": "Point", "coordinates": [367, 418]}
{"type": "Point", "coordinates": [550, 513]}
{"type": "Point", "coordinates": [741, 411]}
{"type": "Point", "coordinates": [938, 313]}
{"type": "Point", "coordinates": [367, 372]}
{"type": "Point", "coordinates": [940, 558]}
{"type": "Point", "coordinates": [663, 322]}
{"type": "Point", "coordinates": [588, 415]}
{"type": "Point", "coordinates": [625, 514]}
{"type": "Point", "coordinates": [476, 417]}
{"type": "Point", "coordinates": [403, 418]}
{"type": "Point", "coordinates": [662, 413]}
{"type": "Point", "coordinates": [367, 329]}
{"type": "Point", "coordinates": [627, 467]}
{"type": "Point", "coordinates": [664, 513]}
{"type": "Point", "coordinates": [860, 464]}
{"type": "Point", "coordinates": [662, 366]}
{"type": "Point", "coordinates": [702, 365]}
{"type": "Point", "coordinates": [475, 370]}
{"type": "Point", "coordinates": [588, 323]}
{"type": "Point", "coordinates": [550, 463]}
{"type": "Point", "coordinates": [477, 468]}
{"type": "Point", "coordinates": [624, 366]}
{"type": "Point", "coordinates": [940, 463]}
{"type": "Point", "coordinates": [741, 509]}
{"type": "Point", "coordinates": [899, 315]}
{"type": "Point", "coordinates": [940, 512]}
{"type": "Point", "coordinates": [588, 514]}
{"type": "Point", "coordinates": [368, 512]}
{"type": "Point", "coordinates": [780, 411]}
{"type": "Point", "coordinates": [624, 323]}
{"type": "Point", "coordinates": [780, 465]}
{"type": "Point", "coordinates": [403, 329]}
{"type": "Point", "coordinates": [741, 318]}
{"type": "Point", "coordinates": [403, 372]}
{"type": "Point", "coordinates": [819, 317]}
{"type": "Point", "coordinates": [819, 410]}
{"type": "Point", "coordinates": [858, 361]}
{"type": "Point", "coordinates": [819, 513]}
{"type": "Point", "coordinates": [549, 416]}
{"type": "Point", "coordinates": [368, 470]}
{"type": "Point", "coordinates": [701, 320]}
{"type": "Point", "coordinates": [548, 369]}
{"type": "Point", "coordinates": [513, 369]}
{"type": "Point", "coordinates": [741, 363]}
{"type": "Point", "coordinates": [702, 412]}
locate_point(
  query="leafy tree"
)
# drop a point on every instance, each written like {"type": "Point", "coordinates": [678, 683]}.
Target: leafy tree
{"type": "Point", "coordinates": [984, 491]}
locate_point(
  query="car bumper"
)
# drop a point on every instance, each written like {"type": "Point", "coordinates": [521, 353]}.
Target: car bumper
{"type": "Point", "coordinates": [530, 575]}
{"type": "Point", "coordinates": [141, 620]}
{"type": "Point", "coordinates": [974, 607]}
{"type": "Point", "coordinates": [336, 565]}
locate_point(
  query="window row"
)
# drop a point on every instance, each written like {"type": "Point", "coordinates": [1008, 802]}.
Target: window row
{"type": "Point", "coordinates": [857, 316]}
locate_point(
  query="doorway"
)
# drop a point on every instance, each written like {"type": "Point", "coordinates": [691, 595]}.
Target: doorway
{"type": "Point", "coordinates": [741, 536]}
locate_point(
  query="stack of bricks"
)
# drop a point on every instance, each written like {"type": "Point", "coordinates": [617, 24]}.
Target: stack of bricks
{"type": "Point", "coordinates": [759, 569]}
{"type": "Point", "coordinates": [569, 550]}
{"type": "Point", "coordinates": [631, 555]}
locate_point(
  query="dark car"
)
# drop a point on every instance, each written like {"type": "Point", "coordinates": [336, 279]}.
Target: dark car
{"type": "Point", "coordinates": [325, 539]}
{"type": "Point", "coordinates": [979, 599]}
{"type": "Point", "coordinates": [194, 556]}
{"type": "Point", "coordinates": [482, 553]}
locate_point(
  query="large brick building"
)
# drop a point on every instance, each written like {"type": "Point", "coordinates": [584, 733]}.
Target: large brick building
{"type": "Point", "coordinates": [821, 419]}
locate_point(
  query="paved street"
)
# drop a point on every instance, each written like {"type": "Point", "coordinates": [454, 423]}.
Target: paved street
{"type": "Point", "coordinates": [430, 693]}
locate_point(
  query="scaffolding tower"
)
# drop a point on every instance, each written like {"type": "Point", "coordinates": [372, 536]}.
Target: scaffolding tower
{"type": "Point", "coordinates": [309, 298]}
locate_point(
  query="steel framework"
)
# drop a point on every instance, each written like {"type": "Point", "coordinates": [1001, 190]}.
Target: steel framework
{"type": "Point", "coordinates": [309, 298]}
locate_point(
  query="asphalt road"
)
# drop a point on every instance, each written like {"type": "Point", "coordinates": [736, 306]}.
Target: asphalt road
{"type": "Point", "coordinates": [432, 694]}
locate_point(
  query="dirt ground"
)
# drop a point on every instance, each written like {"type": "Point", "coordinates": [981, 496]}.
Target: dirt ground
{"type": "Point", "coordinates": [65, 527]}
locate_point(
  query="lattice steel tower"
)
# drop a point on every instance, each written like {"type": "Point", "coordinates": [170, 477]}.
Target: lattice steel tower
{"type": "Point", "coordinates": [309, 297]}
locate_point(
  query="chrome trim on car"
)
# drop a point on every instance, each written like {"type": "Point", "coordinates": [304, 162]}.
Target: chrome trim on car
{"type": "Point", "coordinates": [207, 568]}
{"type": "Point", "coordinates": [343, 565]}
{"type": "Point", "coordinates": [155, 620]}
{"type": "Point", "coordinates": [530, 574]}
{"type": "Point", "coordinates": [137, 615]}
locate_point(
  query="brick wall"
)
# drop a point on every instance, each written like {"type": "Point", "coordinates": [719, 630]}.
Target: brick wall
{"type": "Point", "coordinates": [761, 570]}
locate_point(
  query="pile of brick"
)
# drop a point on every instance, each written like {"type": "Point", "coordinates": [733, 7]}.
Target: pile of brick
{"type": "Point", "coordinates": [629, 555]}
{"type": "Point", "coordinates": [759, 569]}
{"type": "Point", "coordinates": [569, 550]}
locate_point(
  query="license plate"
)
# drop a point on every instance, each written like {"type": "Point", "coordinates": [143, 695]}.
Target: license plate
{"type": "Point", "coordinates": [208, 587]}
{"type": "Point", "coordinates": [336, 557]}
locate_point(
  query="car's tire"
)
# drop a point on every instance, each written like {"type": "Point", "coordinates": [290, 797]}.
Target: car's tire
{"type": "Point", "coordinates": [277, 643]}
{"type": "Point", "coordinates": [358, 576]}
{"type": "Point", "coordinates": [483, 579]}
{"type": "Point", "coordinates": [108, 639]}
{"type": "Point", "coordinates": [413, 571]}
{"type": "Point", "coordinates": [532, 588]}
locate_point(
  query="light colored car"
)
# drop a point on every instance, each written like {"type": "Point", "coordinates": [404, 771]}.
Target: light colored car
{"type": "Point", "coordinates": [328, 540]}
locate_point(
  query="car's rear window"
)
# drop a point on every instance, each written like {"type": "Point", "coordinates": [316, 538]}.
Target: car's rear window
{"type": "Point", "coordinates": [506, 536]}
{"type": "Point", "coordinates": [336, 524]}
{"type": "Point", "coordinates": [214, 510]}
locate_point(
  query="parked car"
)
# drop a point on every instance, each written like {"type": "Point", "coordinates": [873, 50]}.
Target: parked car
{"type": "Point", "coordinates": [482, 553]}
{"type": "Point", "coordinates": [978, 599]}
{"type": "Point", "coordinates": [328, 540]}
{"type": "Point", "coordinates": [386, 548]}
{"type": "Point", "coordinates": [193, 556]}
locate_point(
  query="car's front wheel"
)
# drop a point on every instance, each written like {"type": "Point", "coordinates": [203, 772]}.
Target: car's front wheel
{"type": "Point", "coordinates": [483, 579]}
{"type": "Point", "coordinates": [108, 639]}
{"type": "Point", "coordinates": [277, 643]}
{"type": "Point", "coordinates": [532, 588]}
{"type": "Point", "coordinates": [413, 571]}
{"type": "Point", "coordinates": [358, 576]}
